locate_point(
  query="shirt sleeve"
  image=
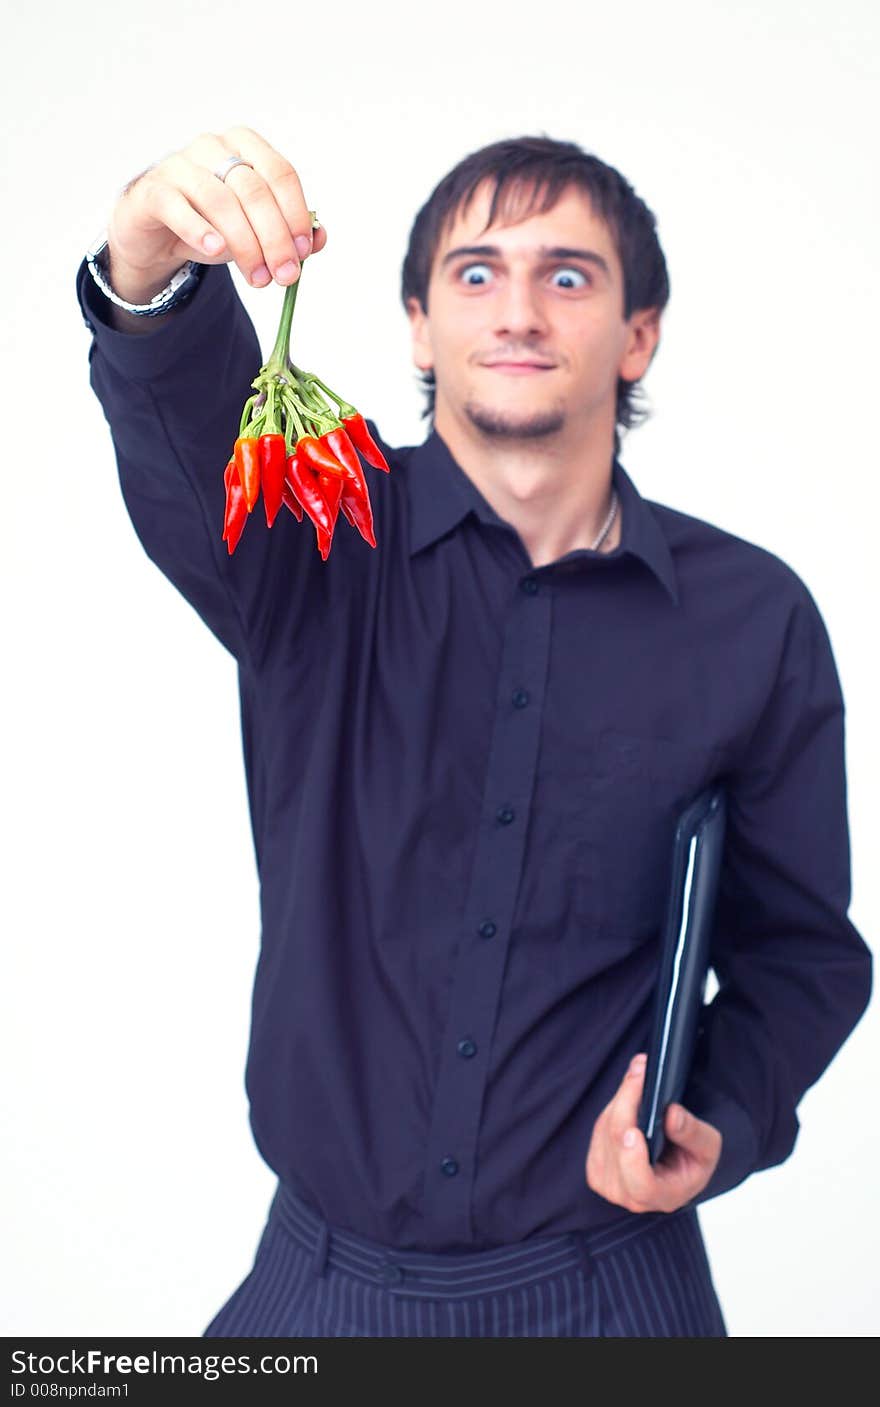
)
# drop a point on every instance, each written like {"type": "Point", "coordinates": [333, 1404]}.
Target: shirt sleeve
{"type": "Point", "coordinates": [794, 975]}
{"type": "Point", "coordinates": [173, 398]}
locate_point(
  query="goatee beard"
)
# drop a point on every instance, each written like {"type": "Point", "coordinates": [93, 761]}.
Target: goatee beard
{"type": "Point", "coordinates": [504, 426]}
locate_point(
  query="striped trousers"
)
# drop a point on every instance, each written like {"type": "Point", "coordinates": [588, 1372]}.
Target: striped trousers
{"type": "Point", "coordinates": [646, 1276]}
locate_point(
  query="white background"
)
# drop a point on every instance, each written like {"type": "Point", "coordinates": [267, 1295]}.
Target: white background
{"type": "Point", "coordinates": [132, 1193]}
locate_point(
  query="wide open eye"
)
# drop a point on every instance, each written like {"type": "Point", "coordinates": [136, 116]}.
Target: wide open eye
{"type": "Point", "coordinates": [572, 273]}
{"type": "Point", "coordinates": [465, 272]}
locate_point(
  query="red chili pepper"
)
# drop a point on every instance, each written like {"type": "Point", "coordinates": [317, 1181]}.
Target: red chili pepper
{"type": "Point", "coordinates": [237, 511]}
{"type": "Point", "coordinates": [273, 457]}
{"type": "Point", "coordinates": [332, 489]}
{"type": "Point", "coordinates": [363, 440]}
{"type": "Point", "coordinates": [358, 505]}
{"type": "Point", "coordinates": [338, 443]}
{"type": "Point", "coordinates": [355, 494]}
{"type": "Point", "coordinates": [312, 452]}
{"type": "Point", "coordinates": [304, 485]}
{"type": "Point", "coordinates": [227, 476]}
{"type": "Point", "coordinates": [247, 457]}
{"type": "Point", "coordinates": [292, 502]}
{"type": "Point", "coordinates": [347, 511]}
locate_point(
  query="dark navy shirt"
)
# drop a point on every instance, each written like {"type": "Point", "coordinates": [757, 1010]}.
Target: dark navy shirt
{"type": "Point", "coordinates": [463, 775]}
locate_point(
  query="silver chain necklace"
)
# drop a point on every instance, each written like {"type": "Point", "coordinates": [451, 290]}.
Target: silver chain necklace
{"type": "Point", "coordinates": [612, 513]}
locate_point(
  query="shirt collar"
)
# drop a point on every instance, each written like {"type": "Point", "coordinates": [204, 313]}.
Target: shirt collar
{"type": "Point", "coordinates": [441, 495]}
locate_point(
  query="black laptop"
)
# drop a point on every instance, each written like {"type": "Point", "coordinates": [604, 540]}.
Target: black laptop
{"type": "Point", "coordinates": [684, 961]}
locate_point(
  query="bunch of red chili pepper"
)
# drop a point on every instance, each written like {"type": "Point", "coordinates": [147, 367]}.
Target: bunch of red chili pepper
{"type": "Point", "coordinates": [298, 451]}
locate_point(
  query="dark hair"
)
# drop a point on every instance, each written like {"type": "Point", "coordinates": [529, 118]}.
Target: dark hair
{"type": "Point", "coordinates": [532, 163]}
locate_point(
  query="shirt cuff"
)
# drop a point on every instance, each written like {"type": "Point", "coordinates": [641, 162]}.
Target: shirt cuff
{"type": "Point", "coordinates": [739, 1145]}
{"type": "Point", "coordinates": [143, 356]}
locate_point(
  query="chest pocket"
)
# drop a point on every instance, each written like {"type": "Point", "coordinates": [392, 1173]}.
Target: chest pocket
{"type": "Point", "coordinates": [632, 792]}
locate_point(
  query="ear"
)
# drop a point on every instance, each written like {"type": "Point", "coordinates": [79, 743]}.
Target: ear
{"type": "Point", "coordinates": [421, 342]}
{"type": "Point", "coordinates": [641, 344]}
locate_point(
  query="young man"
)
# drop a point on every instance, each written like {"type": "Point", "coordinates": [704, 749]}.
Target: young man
{"type": "Point", "coordinates": [466, 751]}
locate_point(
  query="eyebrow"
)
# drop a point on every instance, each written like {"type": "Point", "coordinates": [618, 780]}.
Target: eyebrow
{"type": "Point", "coordinates": [492, 251]}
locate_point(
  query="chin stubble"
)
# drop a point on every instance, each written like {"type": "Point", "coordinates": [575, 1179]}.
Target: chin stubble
{"type": "Point", "coordinates": [503, 425]}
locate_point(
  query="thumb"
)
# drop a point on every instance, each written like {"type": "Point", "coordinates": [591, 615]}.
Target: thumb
{"type": "Point", "coordinates": [696, 1136]}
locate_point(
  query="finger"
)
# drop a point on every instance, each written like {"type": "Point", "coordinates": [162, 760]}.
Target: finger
{"type": "Point", "coordinates": [700, 1139]}
{"type": "Point", "coordinates": [244, 208]}
{"type": "Point", "coordinates": [624, 1107]}
{"type": "Point", "coordinates": [640, 1190]}
{"type": "Point", "coordinates": [167, 209]}
{"type": "Point", "coordinates": [319, 237]}
{"type": "Point", "coordinates": [217, 208]}
{"type": "Point", "coordinates": [662, 1189]}
{"type": "Point", "coordinates": [599, 1155]}
{"type": "Point", "coordinates": [293, 220]}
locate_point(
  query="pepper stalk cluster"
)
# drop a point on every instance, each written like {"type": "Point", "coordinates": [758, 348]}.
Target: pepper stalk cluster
{"type": "Point", "coordinates": [298, 451]}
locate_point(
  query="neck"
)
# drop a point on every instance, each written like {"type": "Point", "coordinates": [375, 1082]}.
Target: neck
{"type": "Point", "coordinates": [554, 489]}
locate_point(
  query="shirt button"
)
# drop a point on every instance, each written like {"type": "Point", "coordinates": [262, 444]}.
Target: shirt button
{"type": "Point", "coordinates": [390, 1272]}
{"type": "Point", "coordinates": [505, 815]}
{"type": "Point", "coordinates": [467, 1048]}
{"type": "Point", "coordinates": [529, 585]}
{"type": "Point", "coordinates": [487, 929]}
{"type": "Point", "coordinates": [449, 1166]}
{"type": "Point", "coordinates": [520, 698]}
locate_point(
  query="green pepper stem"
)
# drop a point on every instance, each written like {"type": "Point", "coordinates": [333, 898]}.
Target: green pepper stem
{"type": "Point", "coordinates": [245, 414]}
{"type": "Point", "coordinates": [301, 404]}
{"type": "Point", "coordinates": [281, 351]}
{"type": "Point", "coordinates": [272, 414]}
{"type": "Point", "coordinates": [314, 399]}
{"type": "Point", "coordinates": [312, 407]}
{"type": "Point", "coordinates": [289, 402]}
{"type": "Point", "coordinates": [308, 378]}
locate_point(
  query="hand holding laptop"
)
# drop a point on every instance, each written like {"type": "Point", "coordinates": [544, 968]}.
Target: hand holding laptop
{"type": "Point", "coordinates": [647, 1152]}
{"type": "Point", "coordinates": [618, 1166]}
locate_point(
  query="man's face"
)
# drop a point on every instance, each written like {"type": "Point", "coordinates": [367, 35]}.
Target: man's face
{"type": "Point", "coordinates": [525, 331]}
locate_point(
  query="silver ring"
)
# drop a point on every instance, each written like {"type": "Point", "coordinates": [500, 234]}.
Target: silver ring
{"type": "Point", "coordinates": [223, 171]}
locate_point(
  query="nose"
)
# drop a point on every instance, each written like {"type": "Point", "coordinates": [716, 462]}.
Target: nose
{"type": "Point", "coordinates": [519, 312]}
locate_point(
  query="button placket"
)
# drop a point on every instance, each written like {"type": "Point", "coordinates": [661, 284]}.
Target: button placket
{"type": "Point", "coordinates": [451, 1154]}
